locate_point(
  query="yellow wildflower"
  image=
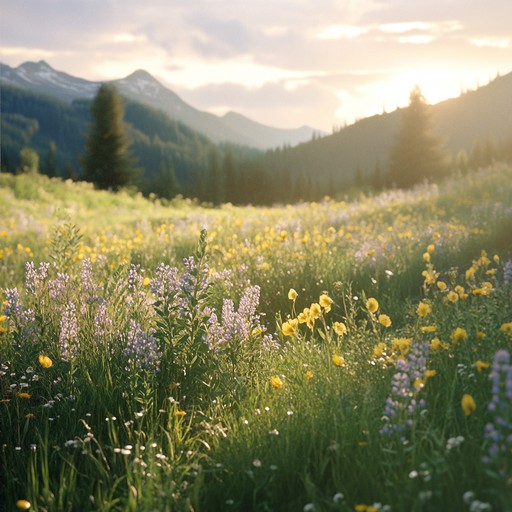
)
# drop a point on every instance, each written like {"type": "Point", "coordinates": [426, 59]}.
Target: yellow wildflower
{"type": "Point", "coordinates": [24, 396]}
{"type": "Point", "coordinates": [507, 328]}
{"type": "Point", "coordinates": [23, 504]}
{"type": "Point", "coordinates": [325, 301]}
{"type": "Point", "coordinates": [430, 373]}
{"type": "Point", "coordinates": [423, 309]}
{"type": "Point", "coordinates": [441, 285]}
{"type": "Point", "coordinates": [45, 361]}
{"type": "Point", "coordinates": [257, 331]}
{"type": "Point", "coordinates": [480, 335]}
{"type": "Point", "coordinates": [372, 305]}
{"type": "Point", "coordinates": [403, 345]}
{"type": "Point", "coordinates": [428, 328]}
{"type": "Point", "coordinates": [452, 296]}
{"type": "Point", "coordinates": [338, 360]}
{"type": "Point", "coordinates": [180, 414]}
{"type": "Point", "coordinates": [379, 349]}
{"type": "Point", "coordinates": [276, 382]}
{"type": "Point", "coordinates": [309, 374]}
{"type": "Point", "coordinates": [29, 416]}
{"type": "Point", "coordinates": [339, 328]}
{"type": "Point", "coordinates": [431, 248]}
{"type": "Point", "coordinates": [459, 334]}
{"type": "Point", "coordinates": [315, 310]}
{"type": "Point", "coordinates": [426, 257]}
{"type": "Point", "coordinates": [418, 384]}
{"type": "Point", "coordinates": [292, 294]}
{"type": "Point", "coordinates": [288, 328]}
{"type": "Point", "coordinates": [146, 281]}
{"type": "Point", "coordinates": [480, 365]}
{"type": "Point", "coordinates": [384, 320]}
{"type": "Point", "coordinates": [468, 404]}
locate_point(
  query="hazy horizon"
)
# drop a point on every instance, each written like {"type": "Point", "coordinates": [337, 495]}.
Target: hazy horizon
{"type": "Point", "coordinates": [283, 64]}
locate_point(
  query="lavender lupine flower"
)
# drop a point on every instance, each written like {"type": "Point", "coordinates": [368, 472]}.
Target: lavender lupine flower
{"type": "Point", "coordinates": [58, 287]}
{"type": "Point", "coordinates": [68, 338]}
{"type": "Point", "coordinates": [402, 403]}
{"type": "Point", "coordinates": [236, 324]}
{"type": "Point", "coordinates": [12, 307]}
{"type": "Point", "coordinates": [34, 276]}
{"type": "Point", "coordinates": [28, 326]}
{"type": "Point", "coordinates": [103, 325]}
{"type": "Point", "coordinates": [141, 348]}
{"type": "Point", "coordinates": [134, 277]}
{"type": "Point", "coordinates": [507, 272]}
{"type": "Point", "coordinates": [166, 280]}
{"type": "Point", "coordinates": [89, 287]}
{"type": "Point", "coordinates": [498, 433]}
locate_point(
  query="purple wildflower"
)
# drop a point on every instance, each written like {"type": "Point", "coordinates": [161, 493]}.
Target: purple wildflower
{"type": "Point", "coordinates": [34, 276]}
{"type": "Point", "coordinates": [402, 403]}
{"type": "Point", "coordinates": [498, 433]}
{"type": "Point", "coordinates": [12, 298]}
{"type": "Point", "coordinates": [68, 338]}
{"type": "Point", "coordinates": [141, 348]}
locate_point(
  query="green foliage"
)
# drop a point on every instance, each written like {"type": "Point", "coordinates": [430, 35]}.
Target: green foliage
{"type": "Point", "coordinates": [29, 161]}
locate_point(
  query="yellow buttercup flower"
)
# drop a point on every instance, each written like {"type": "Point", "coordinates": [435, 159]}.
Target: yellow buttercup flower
{"type": "Point", "coordinates": [315, 310]}
{"type": "Point", "coordinates": [292, 294]}
{"type": "Point", "coordinates": [372, 305]}
{"type": "Point", "coordinates": [459, 334]}
{"type": "Point", "coordinates": [180, 414]}
{"type": "Point", "coordinates": [441, 285]}
{"type": "Point", "coordinates": [384, 320]}
{"type": "Point", "coordinates": [288, 328]}
{"type": "Point", "coordinates": [480, 365]}
{"type": "Point", "coordinates": [23, 504]}
{"type": "Point", "coordinates": [452, 296]}
{"type": "Point", "coordinates": [325, 301]}
{"type": "Point", "coordinates": [146, 281]}
{"type": "Point", "coordinates": [24, 396]}
{"type": "Point", "coordinates": [276, 382]}
{"type": "Point", "coordinates": [423, 309]}
{"type": "Point", "coordinates": [309, 374]}
{"type": "Point", "coordinates": [339, 328]}
{"type": "Point", "coordinates": [468, 404]}
{"type": "Point", "coordinates": [507, 328]}
{"type": "Point", "coordinates": [338, 360]}
{"type": "Point", "coordinates": [45, 361]}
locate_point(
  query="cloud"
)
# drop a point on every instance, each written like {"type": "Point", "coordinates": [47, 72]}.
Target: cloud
{"type": "Point", "coordinates": [284, 61]}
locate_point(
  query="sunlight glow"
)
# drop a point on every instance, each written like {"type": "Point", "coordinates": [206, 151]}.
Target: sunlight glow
{"type": "Point", "coordinates": [341, 32]}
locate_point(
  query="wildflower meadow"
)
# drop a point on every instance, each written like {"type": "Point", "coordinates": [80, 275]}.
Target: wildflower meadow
{"type": "Point", "coordinates": [345, 355]}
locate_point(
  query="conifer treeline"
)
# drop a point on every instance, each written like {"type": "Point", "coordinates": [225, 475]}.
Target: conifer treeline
{"type": "Point", "coordinates": [173, 159]}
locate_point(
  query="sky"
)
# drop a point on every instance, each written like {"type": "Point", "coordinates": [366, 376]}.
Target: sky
{"type": "Point", "coordinates": [284, 63]}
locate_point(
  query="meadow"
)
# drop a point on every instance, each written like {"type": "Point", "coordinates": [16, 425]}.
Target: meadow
{"type": "Point", "coordinates": [343, 355]}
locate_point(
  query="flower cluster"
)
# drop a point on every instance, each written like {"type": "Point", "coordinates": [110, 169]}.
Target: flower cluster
{"type": "Point", "coordinates": [141, 348]}
{"type": "Point", "coordinates": [406, 383]}
{"type": "Point", "coordinates": [498, 433]}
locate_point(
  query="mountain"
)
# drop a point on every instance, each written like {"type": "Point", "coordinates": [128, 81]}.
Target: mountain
{"type": "Point", "coordinates": [476, 118]}
{"type": "Point", "coordinates": [140, 86]}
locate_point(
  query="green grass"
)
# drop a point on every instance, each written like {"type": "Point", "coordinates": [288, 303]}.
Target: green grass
{"type": "Point", "coordinates": [173, 387]}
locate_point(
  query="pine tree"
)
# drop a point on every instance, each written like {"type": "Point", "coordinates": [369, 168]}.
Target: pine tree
{"type": "Point", "coordinates": [416, 154]}
{"type": "Point", "coordinates": [106, 161]}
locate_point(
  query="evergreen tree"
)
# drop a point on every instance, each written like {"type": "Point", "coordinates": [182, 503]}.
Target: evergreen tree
{"type": "Point", "coordinates": [416, 154]}
{"type": "Point", "coordinates": [106, 161]}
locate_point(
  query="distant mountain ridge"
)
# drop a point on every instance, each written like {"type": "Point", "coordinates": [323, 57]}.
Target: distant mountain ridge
{"type": "Point", "coordinates": [141, 86]}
